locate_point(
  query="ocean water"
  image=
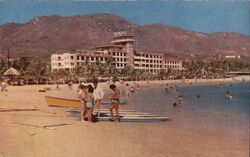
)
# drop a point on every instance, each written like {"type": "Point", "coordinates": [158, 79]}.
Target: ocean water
{"type": "Point", "coordinates": [210, 113]}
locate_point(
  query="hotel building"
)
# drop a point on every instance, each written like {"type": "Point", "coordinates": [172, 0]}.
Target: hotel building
{"type": "Point", "coordinates": [122, 53]}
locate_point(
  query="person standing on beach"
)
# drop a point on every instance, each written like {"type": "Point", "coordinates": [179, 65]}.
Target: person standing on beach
{"type": "Point", "coordinates": [115, 100]}
{"type": "Point", "coordinates": [4, 85]}
{"type": "Point", "coordinates": [89, 100]}
{"type": "Point", "coordinates": [57, 84]}
{"type": "Point", "coordinates": [70, 84]}
{"type": "Point", "coordinates": [132, 89]}
{"type": "Point", "coordinates": [82, 92]}
{"type": "Point", "coordinates": [98, 96]}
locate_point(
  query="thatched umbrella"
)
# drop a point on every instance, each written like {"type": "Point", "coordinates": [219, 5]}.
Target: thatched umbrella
{"type": "Point", "coordinates": [11, 72]}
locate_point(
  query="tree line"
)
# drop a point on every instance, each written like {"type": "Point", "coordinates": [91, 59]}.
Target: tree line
{"type": "Point", "coordinates": [195, 68]}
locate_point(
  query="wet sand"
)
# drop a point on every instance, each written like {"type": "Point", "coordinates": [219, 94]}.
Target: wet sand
{"type": "Point", "coordinates": [98, 139]}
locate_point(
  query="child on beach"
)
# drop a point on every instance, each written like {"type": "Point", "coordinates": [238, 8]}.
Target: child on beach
{"type": "Point", "coordinates": [89, 100]}
{"type": "Point", "coordinates": [115, 99]}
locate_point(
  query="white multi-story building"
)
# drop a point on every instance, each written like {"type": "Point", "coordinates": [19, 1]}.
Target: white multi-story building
{"type": "Point", "coordinates": [121, 52]}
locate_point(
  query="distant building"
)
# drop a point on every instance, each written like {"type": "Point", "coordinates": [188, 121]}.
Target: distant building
{"type": "Point", "coordinates": [232, 56]}
{"type": "Point", "coordinates": [122, 52]}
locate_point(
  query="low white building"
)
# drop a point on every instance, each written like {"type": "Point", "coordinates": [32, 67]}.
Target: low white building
{"type": "Point", "coordinates": [232, 57]}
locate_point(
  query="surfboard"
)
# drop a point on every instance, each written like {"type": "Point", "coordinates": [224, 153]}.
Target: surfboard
{"type": "Point", "coordinates": [136, 119]}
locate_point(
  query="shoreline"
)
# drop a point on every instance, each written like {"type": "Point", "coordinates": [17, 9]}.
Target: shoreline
{"type": "Point", "coordinates": [108, 139]}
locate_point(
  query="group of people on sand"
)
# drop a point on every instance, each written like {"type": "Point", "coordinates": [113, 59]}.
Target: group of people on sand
{"type": "Point", "coordinates": [91, 96]}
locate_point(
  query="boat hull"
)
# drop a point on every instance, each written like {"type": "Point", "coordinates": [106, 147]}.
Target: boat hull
{"type": "Point", "coordinates": [62, 102]}
{"type": "Point", "coordinates": [70, 103]}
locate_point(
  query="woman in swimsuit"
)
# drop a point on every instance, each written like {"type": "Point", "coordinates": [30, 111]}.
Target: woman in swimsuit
{"type": "Point", "coordinates": [89, 100]}
{"type": "Point", "coordinates": [115, 99]}
{"type": "Point", "coordinates": [83, 90]}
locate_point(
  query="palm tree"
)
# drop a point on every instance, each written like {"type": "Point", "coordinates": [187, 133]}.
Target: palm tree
{"type": "Point", "coordinates": [161, 74]}
{"type": "Point", "coordinates": [37, 68]}
{"type": "Point", "coordinates": [3, 66]}
{"type": "Point", "coordinates": [23, 63]}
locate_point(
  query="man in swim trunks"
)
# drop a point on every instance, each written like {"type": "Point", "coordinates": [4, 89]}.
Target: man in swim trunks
{"type": "Point", "coordinates": [115, 100]}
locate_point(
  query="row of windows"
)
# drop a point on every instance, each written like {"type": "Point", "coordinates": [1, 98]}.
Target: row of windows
{"type": "Point", "coordinates": [118, 54]}
{"type": "Point", "coordinates": [124, 60]}
{"type": "Point", "coordinates": [148, 61]}
{"type": "Point", "coordinates": [91, 58]}
{"type": "Point", "coordinates": [171, 62]}
{"type": "Point", "coordinates": [148, 65]}
{"type": "Point", "coordinates": [115, 54]}
{"type": "Point", "coordinates": [120, 59]}
{"type": "Point", "coordinates": [120, 65]}
{"type": "Point", "coordinates": [149, 56]}
{"type": "Point", "coordinates": [61, 57]}
{"type": "Point", "coordinates": [172, 66]}
{"type": "Point", "coordinates": [66, 63]}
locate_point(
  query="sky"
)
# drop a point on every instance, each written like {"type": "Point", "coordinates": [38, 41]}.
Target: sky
{"type": "Point", "coordinates": [206, 16]}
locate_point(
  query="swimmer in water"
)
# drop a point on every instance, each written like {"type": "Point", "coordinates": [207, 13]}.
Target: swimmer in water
{"type": "Point", "coordinates": [179, 103]}
{"type": "Point", "coordinates": [132, 89]}
{"type": "Point", "coordinates": [166, 90]}
{"type": "Point", "coordinates": [228, 95]}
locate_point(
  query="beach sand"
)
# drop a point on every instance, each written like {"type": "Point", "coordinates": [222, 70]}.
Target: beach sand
{"type": "Point", "coordinates": [106, 139]}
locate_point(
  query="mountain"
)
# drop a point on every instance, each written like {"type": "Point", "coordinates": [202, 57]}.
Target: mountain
{"type": "Point", "coordinates": [42, 36]}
